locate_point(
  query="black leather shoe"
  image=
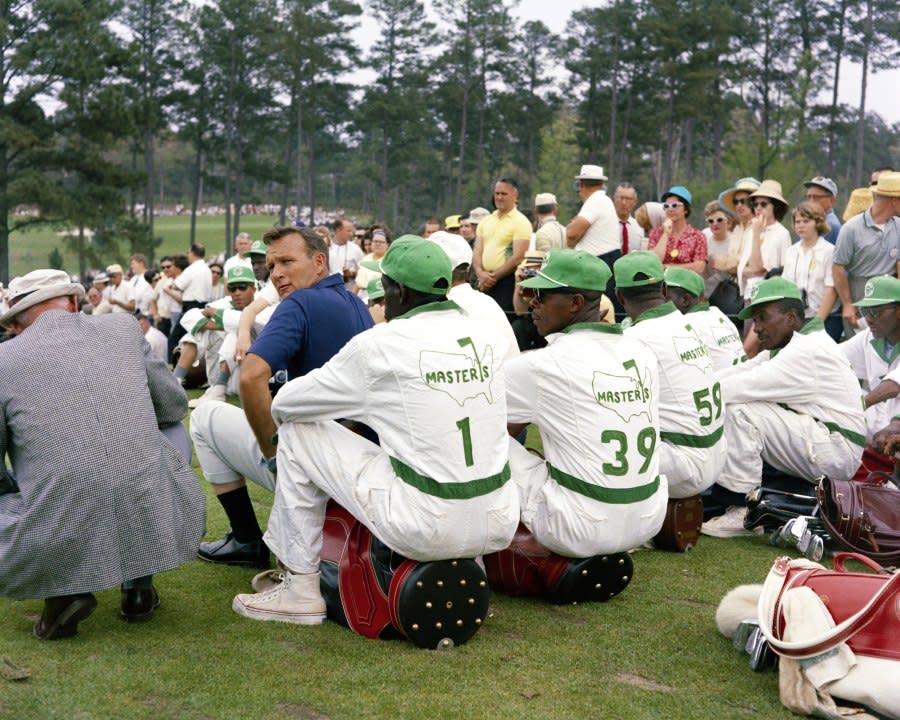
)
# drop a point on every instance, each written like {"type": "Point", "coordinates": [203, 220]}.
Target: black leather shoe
{"type": "Point", "coordinates": [138, 604]}
{"type": "Point", "coordinates": [230, 551]}
{"type": "Point", "coordinates": [62, 614]}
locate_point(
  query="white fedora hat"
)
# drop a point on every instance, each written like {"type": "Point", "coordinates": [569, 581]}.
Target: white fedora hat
{"type": "Point", "coordinates": [36, 287]}
{"type": "Point", "coordinates": [591, 172]}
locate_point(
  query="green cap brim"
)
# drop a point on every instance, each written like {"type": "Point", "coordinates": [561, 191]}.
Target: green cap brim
{"type": "Point", "coordinates": [747, 312]}
{"type": "Point", "coordinates": [371, 265]}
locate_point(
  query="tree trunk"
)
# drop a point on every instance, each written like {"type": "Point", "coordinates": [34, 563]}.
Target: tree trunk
{"type": "Point", "coordinates": [312, 183]}
{"type": "Point", "coordinates": [150, 171]}
{"type": "Point", "coordinates": [832, 116]}
{"type": "Point", "coordinates": [4, 212]}
{"type": "Point", "coordinates": [298, 170]}
{"type": "Point", "coordinates": [861, 117]}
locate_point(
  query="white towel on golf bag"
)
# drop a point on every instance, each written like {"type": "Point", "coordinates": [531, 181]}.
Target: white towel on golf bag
{"type": "Point", "coordinates": [808, 686]}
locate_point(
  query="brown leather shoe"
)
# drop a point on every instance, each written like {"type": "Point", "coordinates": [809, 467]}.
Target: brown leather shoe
{"type": "Point", "coordinates": [139, 604]}
{"type": "Point", "coordinates": [62, 614]}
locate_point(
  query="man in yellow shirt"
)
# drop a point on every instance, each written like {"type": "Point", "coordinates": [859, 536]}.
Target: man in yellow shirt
{"type": "Point", "coordinates": [500, 244]}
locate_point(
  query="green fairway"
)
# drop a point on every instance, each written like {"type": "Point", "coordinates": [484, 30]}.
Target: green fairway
{"type": "Point", "coordinates": [652, 652]}
{"type": "Point", "coordinates": [29, 250]}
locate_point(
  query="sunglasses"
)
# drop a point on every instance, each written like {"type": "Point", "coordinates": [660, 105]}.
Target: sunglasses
{"type": "Point", "coordinates": [873, 312]}
{"type": "Point", "coordinates": [816, 198]}
{"type": "Point", "coordinates": [715, 221]}
{"type": "Point", "coordinates": [672, 205]}
{"type": "Point", "coordinates": [761, 204]}
{"type": "Point", "coordinates": [542, 294]}
{"type": "Point", "coordinates": [743, 201]}
{"type": "Point", "coordinates": [239, 286]}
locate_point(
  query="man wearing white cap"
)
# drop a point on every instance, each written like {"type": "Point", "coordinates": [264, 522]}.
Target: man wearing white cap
{"type": "Point", "coordinates": [823, 191]}
{"type": "Point", "coordinates": [595, 229]}
{"type": "Point", "coordinates": [463, 294]}
{"type": "Point", "coordinates": [122, 296]}
{"type": "Point", "coordinates": [92, 502]}
{"type": "Point", "coordinates": [550, 233]}
{"type": "Point", "coordinates": [469, 225]}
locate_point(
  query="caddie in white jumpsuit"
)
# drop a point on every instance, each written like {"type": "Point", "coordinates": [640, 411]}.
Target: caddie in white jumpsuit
{"type": "Point", "coordinates": [797, 405]}
{"type": "Point", "coordinates": [684, 289]}
{"type": "Point", "coordinates": [691, 408]}
{"type": "Point", "coordinates": [430, 383]}
{"type": "Point", "coordinates": [874, 353]}
{"type": "Point", "coordinates": [594, 395]}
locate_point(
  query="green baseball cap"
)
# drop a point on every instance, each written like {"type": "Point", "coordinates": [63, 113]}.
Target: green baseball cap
{"type": "Point", "coordinates": [418, 264]}
{"type": "Point", "coordinates": [240, 274]}
{"type": "Point", "coordinates": [375, 288]}
{"type": "Point", "coordinates": [570, 268]}
{"type": "Point", "coordinates": [775, 288]}
{"type": "Point", "coordinates": [641, 262]}
{"type": "Point", "coordinates": [880, 290]}
{"type": "Point", "coordinates": [371, 265]}
{"type": "Point", "coordinates": [257, 248]}
{"type": "Point", "coordinates": [685, 279]}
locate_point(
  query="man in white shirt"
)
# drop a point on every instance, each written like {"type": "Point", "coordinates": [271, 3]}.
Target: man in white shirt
{"type": "Point", "coordinates": [159, 343]}
{"type": "Point", "coordinates": [242, 244]}
{"type": "Point", "coordinates": [796, 405]}
{"type": "Point", "coordinates": [195, 283]}
{"type": "Point", "coordinates": [122, 296]}
{"type": "Point", "coordinates": [594, 395]}
{"type": "Point", "coordinates": [143, 291]}
{"type": "Point", "coordinates": [430, 383]}
{"type": "Point", "coordinates": [475, 303]}
{"type": "Point", "coordinates": [684, 289]}
{"type": "Point", "coordinates": [195, 286]}
{"type": "Point", "coordinates": [595, 229]}
{"type": "Point", "coordinates": [344, 255]}
{"type": "Point", "coordinates": [631, 233]}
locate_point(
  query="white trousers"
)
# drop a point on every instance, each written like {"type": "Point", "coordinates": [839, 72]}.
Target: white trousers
{"type": "Point", "coordinates": [793, 443]}
{"type": "Point", "coordinates": [691, 470]}
{"type": "Point", "coordinates": [226, 446]}
{"type": "Point", "coordinates": [573, 525]}
{"type": "Point", "coordinates": [321, 460]}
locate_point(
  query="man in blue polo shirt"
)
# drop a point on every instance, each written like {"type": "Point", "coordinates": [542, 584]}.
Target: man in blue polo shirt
{"type": "Point", "coordinates": [314, 320]}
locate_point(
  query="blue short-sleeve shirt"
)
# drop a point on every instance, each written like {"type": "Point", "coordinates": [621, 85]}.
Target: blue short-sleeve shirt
{"type": "Point", "coordinates": [310, 325]}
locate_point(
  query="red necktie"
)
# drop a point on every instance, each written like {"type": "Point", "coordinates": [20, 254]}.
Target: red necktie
{"type": "Point", "coordinates": [624, 237]}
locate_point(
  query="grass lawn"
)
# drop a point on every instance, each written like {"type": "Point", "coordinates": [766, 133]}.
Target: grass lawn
{"type": "Point", "coordinates": [29, 250]}
{"type": "Point", "coordinates": [652, 652]}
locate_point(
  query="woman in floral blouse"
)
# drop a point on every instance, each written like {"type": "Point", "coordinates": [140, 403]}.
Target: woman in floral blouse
{"type": "Point", "coordinates": [675, 241]}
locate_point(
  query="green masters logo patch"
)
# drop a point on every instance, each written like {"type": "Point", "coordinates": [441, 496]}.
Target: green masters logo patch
{"type": "Point", "coordinates": [628, 396]}
{"type": "Point", "coordinates": [463, 376]}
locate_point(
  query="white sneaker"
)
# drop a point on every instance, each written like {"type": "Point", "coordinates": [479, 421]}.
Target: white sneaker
{"type": "Point", "coordinates": [213, 392]}
{"type": "Point", "coordinates": [731, 524]}
{"type": "Point", "coordinates": [297, 599]}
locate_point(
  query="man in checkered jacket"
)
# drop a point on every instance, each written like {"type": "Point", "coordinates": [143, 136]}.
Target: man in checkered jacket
{"type": "Point", "coordinates": [97, 495]}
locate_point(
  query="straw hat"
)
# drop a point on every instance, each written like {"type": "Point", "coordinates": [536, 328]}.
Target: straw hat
{"type": "Point", "coordinates": [770, 189]}
{"type": "Point", "coordinates": [726, 197]}
{"type": "Point", "coordinates": [860, 201]}
{"type": "Point", "coordinates": [888, 185]}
